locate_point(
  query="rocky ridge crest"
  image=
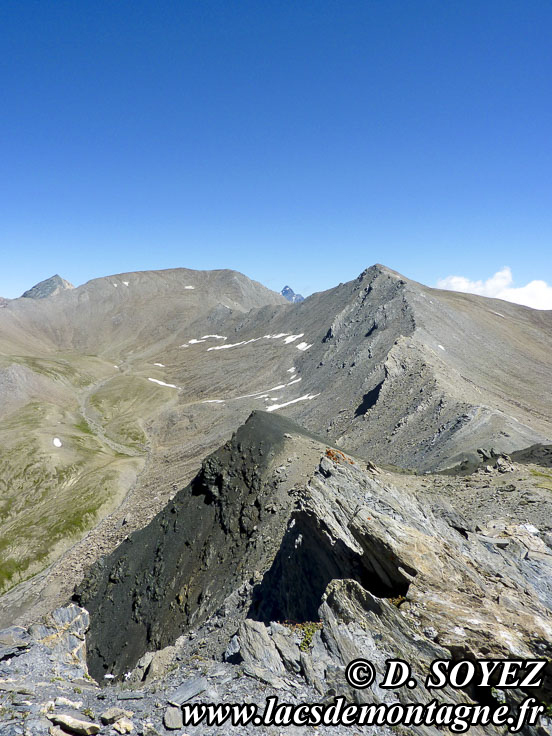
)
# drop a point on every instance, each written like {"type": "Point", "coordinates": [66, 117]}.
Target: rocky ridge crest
{"type": "Point", "coordinates": [331, 560]}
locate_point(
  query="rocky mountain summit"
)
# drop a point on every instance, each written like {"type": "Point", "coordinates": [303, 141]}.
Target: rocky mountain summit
{"type": "Point", "coordinates": [288, 293]}
{"type": "Point", "coordinates": [235, 495]}
{"type": "Point", "coordinates": [49, 287]}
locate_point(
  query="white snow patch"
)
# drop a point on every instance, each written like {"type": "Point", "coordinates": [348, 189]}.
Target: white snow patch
{"type": "Point", "coordinates": [189, 287]}
{"type": "Point", "coordinates": [125, 283]}
{"type": "Point", "coordinates": [115, 285]}
{"type": "Point", "coordinates": [306, 397]}
{"type": "Point", "coordinates": [257, 394]}
{"type": "Point", "coordinates": [116, 366]}
{"type": "Point", "coordinates": [440, 347]}
{"type": "Point", "coordinates": [159, 364]}
{"type": "Point", "coordinates": [287, 340]}
{"type": "Point", "coordinates": [262, 394]}
{"type": "Point", "coordinates": [498, 314]}
{"type": "Point", "coordinates": [303, 346]}
{"type": "Point", "coordinates": [56, 442]}
{"type": "Point", "coordinates": [162, 383]}
{"type": "Point", "coordinates": [292, 338]}
{"type": "Point", "coordinates": [193, 341]}
{"type": "Point", "coordinates": [291, 370]}
{"type": "Point", "coordinates": [234, 345]}
{"type": "Point", "coordinates": [213, 401]}
{"type": "Point", "coordinates": [228, 345]}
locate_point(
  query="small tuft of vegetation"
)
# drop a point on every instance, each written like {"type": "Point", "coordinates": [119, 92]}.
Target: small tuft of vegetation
{"type": "Point", "coordinates": [306, 630]}
{"type": "Point", "coordinates": [398, 600]}
{"type": "Point", "coordinates": [83, 426]}
{"type": "Point", "coordinates": [547, 479]}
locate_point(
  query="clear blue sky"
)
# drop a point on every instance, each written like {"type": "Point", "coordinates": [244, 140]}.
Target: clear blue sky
{"type": "Point", "coordinates": [297, 142]}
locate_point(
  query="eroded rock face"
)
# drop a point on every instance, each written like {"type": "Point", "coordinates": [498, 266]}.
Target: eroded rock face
{"type": "Point", "coordinates": [214, 534]}
{"type": "Point", "coordinates": [293, 558]}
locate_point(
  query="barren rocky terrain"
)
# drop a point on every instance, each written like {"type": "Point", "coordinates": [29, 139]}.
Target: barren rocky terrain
{"type": "Point", "coordinates": [404, 512]}
{"type": "Point", "coordinates": [282, 561]}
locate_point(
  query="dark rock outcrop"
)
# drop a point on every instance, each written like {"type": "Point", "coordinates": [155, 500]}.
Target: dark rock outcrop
{"type": "Point", "coordinates": [278, 528]}
{"type": "Point", "coordinates": [214, 534]}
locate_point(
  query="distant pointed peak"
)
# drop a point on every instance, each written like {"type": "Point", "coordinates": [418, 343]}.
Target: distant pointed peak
{"type": "Point", "coordinates": [49, 287]}
{"type": "Point", "coordinates": [288, 293]}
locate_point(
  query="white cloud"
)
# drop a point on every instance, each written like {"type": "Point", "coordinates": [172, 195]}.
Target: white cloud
{"type": "Point", "coordinates": [536, 294]}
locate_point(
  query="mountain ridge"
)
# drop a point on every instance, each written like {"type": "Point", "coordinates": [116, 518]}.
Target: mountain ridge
{"type": "Point", "coordinates": [138, 383]}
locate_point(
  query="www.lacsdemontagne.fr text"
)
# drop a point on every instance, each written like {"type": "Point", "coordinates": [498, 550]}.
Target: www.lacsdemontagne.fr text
{"type": "Point", "coordinates": [458, 717]}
